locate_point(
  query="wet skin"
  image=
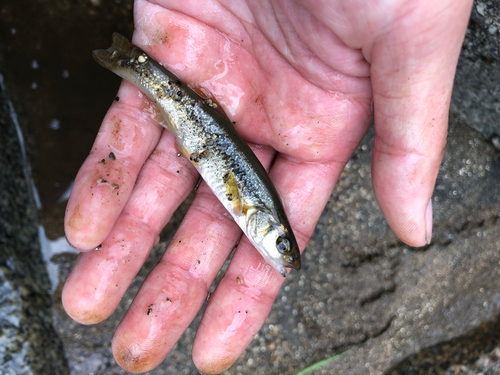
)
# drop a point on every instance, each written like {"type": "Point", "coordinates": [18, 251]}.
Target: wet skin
{"type": "Point", "coordinates": [299, 82]}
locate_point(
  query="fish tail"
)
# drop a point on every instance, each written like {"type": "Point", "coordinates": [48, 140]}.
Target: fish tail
{"type": "Point", "coordinates": [108, 58]}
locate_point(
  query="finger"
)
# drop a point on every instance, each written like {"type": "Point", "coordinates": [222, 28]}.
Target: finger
{"type": "Point", "coordinates": [413, 66]}
{"type": "Point", "coordinates": [105, 181]}
{"type": "Point", "coordinates": [240, 304]}
{"type": "Point", "coordinates": [100, 278]}
{"type": "Point", "coordinates": [176, 288]}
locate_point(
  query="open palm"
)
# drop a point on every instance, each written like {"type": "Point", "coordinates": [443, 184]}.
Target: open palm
{"type": "Point", "coordinates": [298, 81]}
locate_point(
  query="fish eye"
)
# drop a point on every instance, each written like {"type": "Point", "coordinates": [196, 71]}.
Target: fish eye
{"type": "Point", "coordinates": [283, 245]}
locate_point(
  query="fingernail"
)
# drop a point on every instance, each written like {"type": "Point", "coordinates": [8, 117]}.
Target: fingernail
{"type": "Point", "coordinates": [428, 223]}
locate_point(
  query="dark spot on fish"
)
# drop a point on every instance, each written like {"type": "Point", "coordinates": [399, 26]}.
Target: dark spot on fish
{"type": "Point", "coordinates": [229, 197]}
{"type": "Point", "coordinates": [126, 61]}
{"type": "Point", "coordinates": [117, 99]}
{"type": "Point", "coordinates": [177, 97]}
{"type": "Point", "coordinates": [112, 156]}
{"type": "Point", "coordinates": [225, 178]}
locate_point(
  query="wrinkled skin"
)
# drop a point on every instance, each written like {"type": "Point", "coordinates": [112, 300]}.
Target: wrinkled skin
{"type": "Point", "coordinates": [298, 79]}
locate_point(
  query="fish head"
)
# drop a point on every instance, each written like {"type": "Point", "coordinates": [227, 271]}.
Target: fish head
{"type": "Point", "coordinates": [274, 239]}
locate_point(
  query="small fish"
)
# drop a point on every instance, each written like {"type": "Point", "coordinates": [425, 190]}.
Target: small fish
{"type": "Point", "coordinates": [205, 135]}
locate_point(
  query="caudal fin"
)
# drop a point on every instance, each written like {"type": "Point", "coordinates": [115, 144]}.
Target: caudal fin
{"type": "Point", "coordinates": [108, 57]}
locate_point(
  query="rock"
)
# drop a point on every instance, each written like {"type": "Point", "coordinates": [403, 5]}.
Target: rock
{"type": "Point", "coordinates": [394, 309]}
{"type": "Point", "coordinates": [28, 342]}
{"type": "Point", "coordinates": [434, 307]}
{"type": "Point", "coordinates": [476, 94]}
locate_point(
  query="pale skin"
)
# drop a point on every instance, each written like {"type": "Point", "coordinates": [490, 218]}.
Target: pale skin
{"type": "Point", "coordinates": [298, 80]}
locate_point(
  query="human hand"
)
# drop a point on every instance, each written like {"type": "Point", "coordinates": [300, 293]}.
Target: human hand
{"type": "Point", "coordinates": [299, 82]}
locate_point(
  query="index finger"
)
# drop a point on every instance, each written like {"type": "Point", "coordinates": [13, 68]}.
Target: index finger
{"type": "Point", "coordinates": [127, 136]}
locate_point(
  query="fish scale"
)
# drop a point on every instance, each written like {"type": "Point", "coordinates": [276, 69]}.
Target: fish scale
{"type": "Point", "coordinates": [206, 136]}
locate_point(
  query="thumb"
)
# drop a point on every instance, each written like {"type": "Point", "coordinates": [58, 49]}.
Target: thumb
{"type": "Point", "coordinates": [412, 68]}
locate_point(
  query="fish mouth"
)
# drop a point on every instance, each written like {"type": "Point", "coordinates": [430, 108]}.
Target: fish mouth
{"type": "Point", "coordinates": [293, 261]}
{"type": "Point", "coordinates": [296, 264]}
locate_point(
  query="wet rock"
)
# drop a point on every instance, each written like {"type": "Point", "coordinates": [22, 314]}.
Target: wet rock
{"type": "Point", "coordinates": [28, 342]}
{"type": "Point", "coordinates": [441, 303]}
{"type": "Point", "coordinates": [476, 95]}
{"type": "Point", "coordinates": [396, 310]}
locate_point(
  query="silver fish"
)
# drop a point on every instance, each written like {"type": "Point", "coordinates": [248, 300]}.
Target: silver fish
{"type": "Point", "coordinates": [207, 138]}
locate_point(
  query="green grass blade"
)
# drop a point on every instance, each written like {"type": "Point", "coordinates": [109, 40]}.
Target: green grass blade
{"type": "Point", "coordinates": [321, 363]}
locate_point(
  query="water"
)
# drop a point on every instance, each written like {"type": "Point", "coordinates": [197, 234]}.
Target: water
{"type": "Point", "coordinates": [49, 248]}
{"type": "Point", "coordinates": [59, 94]}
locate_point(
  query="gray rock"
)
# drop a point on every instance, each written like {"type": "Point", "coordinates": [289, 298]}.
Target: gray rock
{"type": "Point", "coordinates": [436, 305]}
{"type": "Point", "coordinates": [28, 342]}
{"type": "Point", "coordinates": [394, 309]}
{"type": "Point", "coordinates": [476, 95]}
